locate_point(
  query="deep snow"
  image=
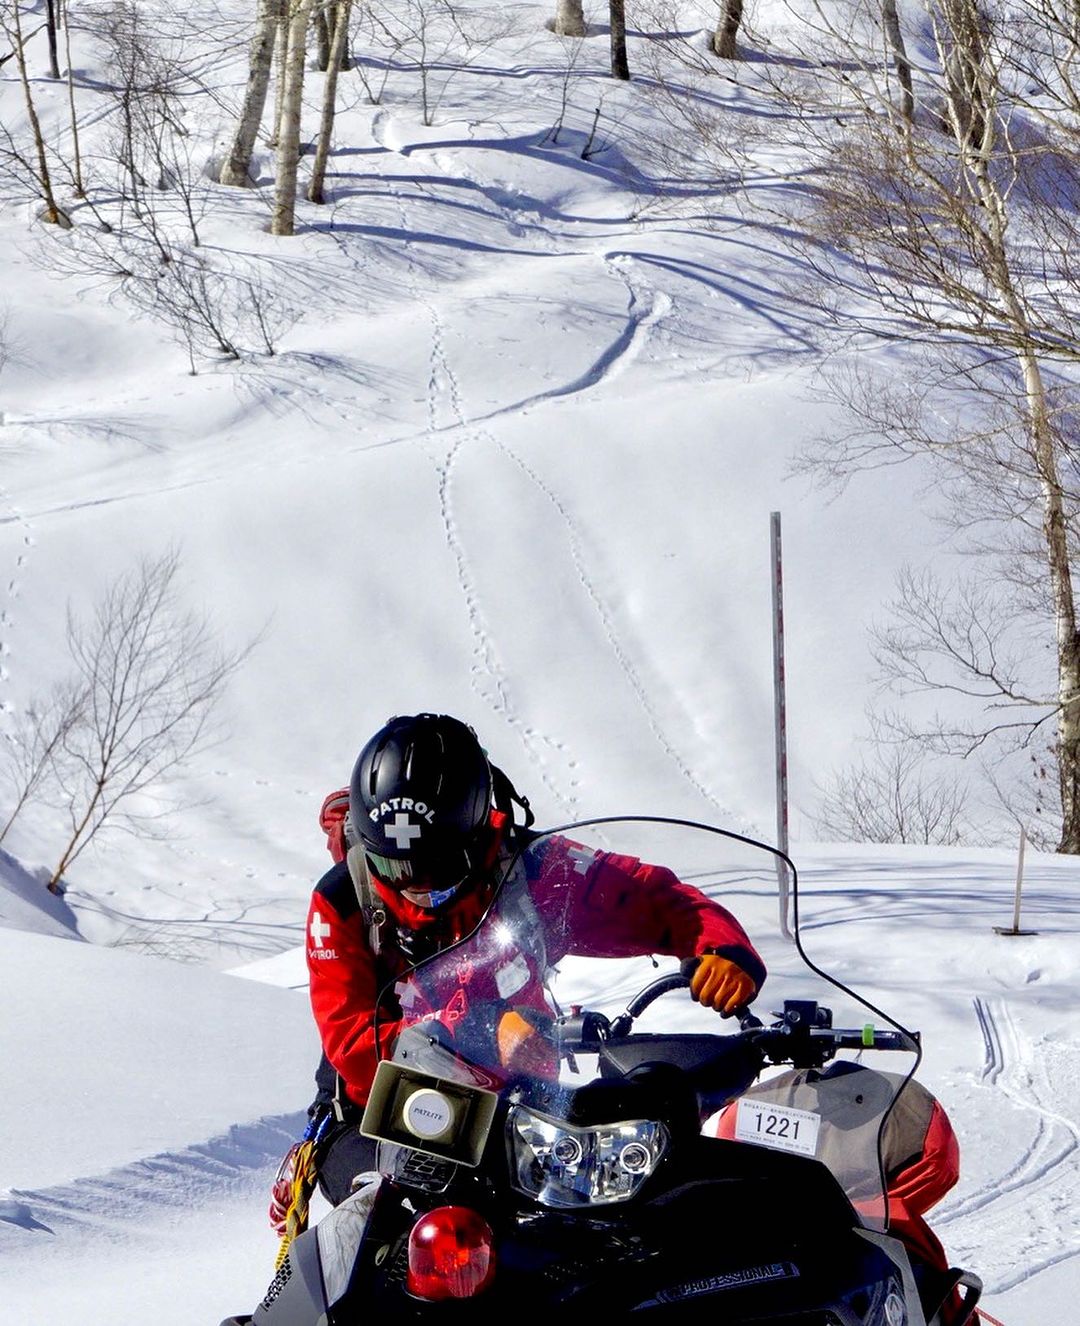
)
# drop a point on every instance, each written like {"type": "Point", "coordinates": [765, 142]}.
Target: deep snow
{"type": "Point", "coordinates": [515, 459]}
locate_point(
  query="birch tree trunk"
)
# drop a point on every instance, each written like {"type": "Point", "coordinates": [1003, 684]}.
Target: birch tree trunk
{"type": "Point", "coordinates": [50, 29]}
{"type": "Point", "coordinates": [1068, 645]}
{"type": "Point", "coordinates": [80, 192]}
{"type": "Point", "coordinates": [725, 43]}
{"type": "Point", "coordinates": [52, 213]}
{"type": "Point", "coordinates": [281, 51]}
{"type": "Point", "coordinates": [569, 19]}
{"type": "Point", "coordinates": [237, 168]}
{"type": "Point", "coordinates": [338, 43]}
{"type": "Point", "coordinates": [964, 71]}
{"type": "Point", "coordinates": [323, 37]}
{"type": "Point", "coordinates": [890, 21]}
{"type": "Point", "coordinates": [288, 150]}
{"type": "Point", "coordinates": [1045, 452]}
{"type": "Point", "coordinates": [620, 66]}
{"type": "Point", "coordinates": [972, 244]}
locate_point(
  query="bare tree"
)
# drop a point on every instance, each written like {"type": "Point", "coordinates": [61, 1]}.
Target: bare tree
{"type": "Point", "coordinates": [288, 130]}
{"type": "Point", "coordinates": [281, 58]}
{"type": "Point", "coordinates": [215, 307]}
{"type": "Point", "coordinates": [236, 169]}
{"type": "Point", "coordinates": [725, 38]}
{"type": "Point", "coordinates": [572, 50]}
{"type": "Point", "coordinates": [325, 18]}
{"type": "Point", "coordinates": [35, 744]}
{"type": "Point", "coordinates": [321, 26]}
{"type": "Point", "coordinates": [437, 39]}
{"type": "Point", "coordinates": [620, 65]}
{"type": "Point", "coordinates": [152, 676]}
{"type": "Point", "coordinates": [890, 22]}
{"type": "Point", "coordinates": [12, 24]}
{"type": "Point", "coordinates": [569, 20]}
{"type": "Point", "coordinates": [961, 31]}
{"type": "Point", "coordinates": [335, 58]}
{"type": "Point", "coordinates": [968, 646]}
{"type": "Point", "coordinates": [153, 82]}
{"type": "Point", "coordinates": [50, 27]}
{"type": "Point", "coordinates": [893, 796]}
{"type": "Point", "coordinates": [374, 68]}
{"type": "Point", "coordinates": [77, 174]}
{"type": "Point", "coordinates": [696, 152]}
{"type": "Point", "coordinates": [957, 231]}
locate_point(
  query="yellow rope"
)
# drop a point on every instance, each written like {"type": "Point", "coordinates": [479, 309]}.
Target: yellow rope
{"type": "Point", "coordinates": [303, 1185]}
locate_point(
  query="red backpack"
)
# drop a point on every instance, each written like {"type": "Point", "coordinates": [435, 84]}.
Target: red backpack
{"type": "Point", "coordinates": [333, 818]}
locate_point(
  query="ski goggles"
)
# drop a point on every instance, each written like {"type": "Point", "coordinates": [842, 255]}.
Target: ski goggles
{"type": "Point", "coordinates": [440, 874]}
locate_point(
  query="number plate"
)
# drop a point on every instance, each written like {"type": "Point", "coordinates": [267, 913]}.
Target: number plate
{"type": "Point", "coordinates": [777, 1126]}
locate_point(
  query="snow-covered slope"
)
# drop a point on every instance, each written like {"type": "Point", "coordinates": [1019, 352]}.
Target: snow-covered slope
{"type": "Point", "coordinates": [514, 457]}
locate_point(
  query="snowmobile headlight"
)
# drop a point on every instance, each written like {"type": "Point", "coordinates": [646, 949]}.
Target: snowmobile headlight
{"type": "Point", "coordinates": [561, 1165]}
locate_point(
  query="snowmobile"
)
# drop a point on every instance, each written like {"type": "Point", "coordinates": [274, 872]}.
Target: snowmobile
{"type": "Point", "coordinates": [596, 1178]}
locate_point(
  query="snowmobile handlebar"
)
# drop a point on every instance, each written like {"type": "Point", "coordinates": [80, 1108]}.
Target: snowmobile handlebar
{"type": "Point", "coordinates": [803, 1034]}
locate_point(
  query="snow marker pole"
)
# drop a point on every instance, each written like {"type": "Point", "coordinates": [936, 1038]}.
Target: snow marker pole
{"type": "Point", "coordinates": [1015, 928]}
{"type": "Point", "coordinates": [1019, 878]}
{"type": "Point", "coordinates": [780, 713]}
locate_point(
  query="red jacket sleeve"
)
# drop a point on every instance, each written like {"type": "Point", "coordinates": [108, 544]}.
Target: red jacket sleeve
{"type": "Point", "coordinates": [621, 907]}
{"type": "Point", "coordinates": [344, 987]}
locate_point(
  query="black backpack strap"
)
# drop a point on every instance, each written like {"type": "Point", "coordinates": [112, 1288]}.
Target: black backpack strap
{"type": "Point", "coordinates": [330, 1102]}
{"type": "Point", "coordinates": [375, 915]}
{"type": "Point", "coordinates": [507, 796]}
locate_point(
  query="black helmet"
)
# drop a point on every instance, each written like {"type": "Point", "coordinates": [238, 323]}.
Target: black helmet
{"type": "Point", "coordinates": [420, 801]}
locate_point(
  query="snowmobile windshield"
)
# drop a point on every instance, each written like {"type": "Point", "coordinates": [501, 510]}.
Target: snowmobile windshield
{"type": "Point", "coordinates": [589, 915]}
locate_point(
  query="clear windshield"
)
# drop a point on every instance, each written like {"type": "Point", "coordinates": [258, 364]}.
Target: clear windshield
{"type": "Point", "coordinates": [589, 915]}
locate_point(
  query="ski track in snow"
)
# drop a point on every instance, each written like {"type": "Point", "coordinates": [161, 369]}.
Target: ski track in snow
{"type": "Point", "coordinates": [1025, 1218]}
{"type": "Point", "coordinates": [643, 314]}
{"type": "Point", "coordinates": [114, 1207]}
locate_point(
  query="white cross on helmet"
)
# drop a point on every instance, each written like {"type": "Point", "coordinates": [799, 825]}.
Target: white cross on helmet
{"type": "Point", "coordinates": [403, 830]}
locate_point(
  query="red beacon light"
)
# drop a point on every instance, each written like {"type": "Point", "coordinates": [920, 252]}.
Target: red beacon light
{"type": "Point", "coordinates": [451, 1254]}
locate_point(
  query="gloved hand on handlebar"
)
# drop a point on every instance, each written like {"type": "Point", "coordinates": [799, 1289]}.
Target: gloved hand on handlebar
{"type": "Point", "coordinates": [522, 1041]}
{"type": "Point", "coordinates": [721, 984]}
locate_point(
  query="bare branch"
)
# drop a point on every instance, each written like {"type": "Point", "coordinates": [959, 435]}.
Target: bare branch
{"type": "Point", "coordinates": [152, 676]}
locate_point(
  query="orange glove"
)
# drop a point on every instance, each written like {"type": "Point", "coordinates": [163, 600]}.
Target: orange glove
{"type": "Point", "coordinates": [522, 1046]}
{"type": "Point", "coordinates": [721, 984]}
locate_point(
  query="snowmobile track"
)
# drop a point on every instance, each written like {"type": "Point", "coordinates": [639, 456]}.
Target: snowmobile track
{"type": "Point", "coordinates": [1027, 1219]}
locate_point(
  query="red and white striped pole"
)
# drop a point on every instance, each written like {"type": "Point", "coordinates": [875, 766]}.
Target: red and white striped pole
{"type": "Point", "coordinates": [780, 712]}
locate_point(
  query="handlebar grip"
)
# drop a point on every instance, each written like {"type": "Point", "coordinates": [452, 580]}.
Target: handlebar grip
{"type": "Point", "coordinates": [871, 1039]}
{"type": "Point", "coordinates": [673, 981]}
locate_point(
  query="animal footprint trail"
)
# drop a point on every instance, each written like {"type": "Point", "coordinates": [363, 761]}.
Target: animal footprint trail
{"type": "Point", "coordinates": [446, 409]}
{"type": "Point", "coordinates": [22, 558]}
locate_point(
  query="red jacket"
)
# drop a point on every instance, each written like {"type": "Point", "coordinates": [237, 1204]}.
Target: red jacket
{"type": "Point", "coordinates": [620, 907]}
